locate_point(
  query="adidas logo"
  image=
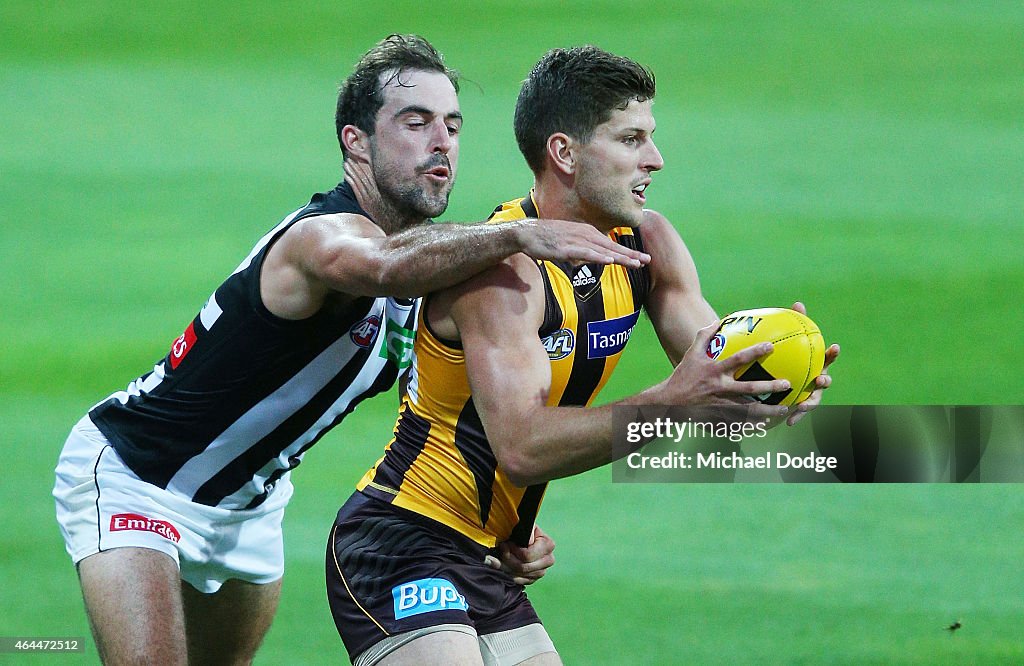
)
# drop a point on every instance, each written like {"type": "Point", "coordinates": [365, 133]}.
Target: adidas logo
{"type": "Point", "coordinates": [583, 277]}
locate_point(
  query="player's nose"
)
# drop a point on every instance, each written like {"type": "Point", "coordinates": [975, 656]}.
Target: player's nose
{"type": "Point", "coordinates": [652, 159]}
{"type": "Point", "coordinates": [440, 138]}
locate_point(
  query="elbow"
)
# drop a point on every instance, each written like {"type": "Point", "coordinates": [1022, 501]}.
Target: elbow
{"type": "Point", "coordinates": [391, 278]}
{"type": "Point", "coordinates": [381, 274]}
{"type": "Point", "coordinates": [377, 276]}
{"type": "Point", "coordinates": [365, 277]}
{"type": "Point", "coordinates": [522, 477]}
{"type": "Point", "coordinates": [521, 468]}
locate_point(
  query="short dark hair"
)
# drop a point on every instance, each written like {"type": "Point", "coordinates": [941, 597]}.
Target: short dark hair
{"type": "Point", "coordinates": [573, 91]}
{"type": "Point", "coordinates": [360, 95]}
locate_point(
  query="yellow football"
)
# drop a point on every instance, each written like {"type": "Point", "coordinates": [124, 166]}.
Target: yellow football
{"type": "Point", "coordinates": [799, 353]}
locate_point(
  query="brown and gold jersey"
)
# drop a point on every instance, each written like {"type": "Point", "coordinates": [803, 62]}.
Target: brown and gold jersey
{"type": "Point", "coordinates": [439, 463]}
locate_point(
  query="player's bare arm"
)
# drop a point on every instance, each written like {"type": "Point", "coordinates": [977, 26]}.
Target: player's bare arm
{"type": "Point", "coordinates": [496, 315]}
{"type": "Point", "coordinates": [675, 303]}
{"type": "Point", "coordinates": [349, 254]}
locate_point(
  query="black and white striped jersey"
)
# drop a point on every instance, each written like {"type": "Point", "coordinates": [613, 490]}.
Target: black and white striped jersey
{"type": "Point", "coordinates": [242, 393]}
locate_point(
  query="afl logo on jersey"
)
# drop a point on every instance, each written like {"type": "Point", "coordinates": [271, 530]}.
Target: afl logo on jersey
{"type": "Point", "coordinates": [365, 331]}
{"type": "Point", "coordinates": [559, 344]}
{"type": "Point", "coordinates": [716, 345]}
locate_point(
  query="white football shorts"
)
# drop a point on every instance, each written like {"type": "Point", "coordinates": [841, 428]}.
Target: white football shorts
{"type": "Point", "coordinates": [101, 505]}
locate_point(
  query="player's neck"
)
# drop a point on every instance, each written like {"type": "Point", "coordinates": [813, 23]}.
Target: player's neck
{"type": "Point", "coordinates": [389, 217]}
{"type": "Point", "coordinates": [557, 200]}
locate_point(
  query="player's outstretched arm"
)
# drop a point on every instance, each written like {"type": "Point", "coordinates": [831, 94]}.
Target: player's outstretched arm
{"type": "Point", "coordinates": [561, 240]}
{"type": "Point", "coordinates": [349, 254]}
{"type": "Point", "coordinates": [497, 315]}
{"type": "Point", "coordinates": [352, 258]}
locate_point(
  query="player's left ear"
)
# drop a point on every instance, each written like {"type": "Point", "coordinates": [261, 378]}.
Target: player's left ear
{"type": "Point", "coordinates": [356, 142]}
{"type": "Point", "coordinates": [560, 149]}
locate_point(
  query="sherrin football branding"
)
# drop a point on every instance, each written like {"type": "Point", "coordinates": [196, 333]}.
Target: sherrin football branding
{"type": "Point", "coordinates": [742, 321]}
{"type": "Point", "coordinates": [121, 522]}
{"type": "Point", "coordinates": [426, 596]}
{"type": "Point", "coordinates": [608, 336]}
{"type": "Point", "coordinates": [798, 352]}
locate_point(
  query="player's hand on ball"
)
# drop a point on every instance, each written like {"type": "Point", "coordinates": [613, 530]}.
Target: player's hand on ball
{"type": "Point", "coordinates": [525, 565]}
{"type": "Point", "coordinates": [821, 382]}
{"type": "Point", "coordinates": [699, 380]}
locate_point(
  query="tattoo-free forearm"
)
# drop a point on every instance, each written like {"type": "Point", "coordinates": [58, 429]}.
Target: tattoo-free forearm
{"type": "Point", "coordinates": [555, 442]}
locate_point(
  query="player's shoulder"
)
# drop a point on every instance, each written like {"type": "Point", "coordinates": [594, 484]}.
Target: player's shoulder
{"type": "Point", "coordinates": [657, 231]}
{"type": "Point", "coordinates": [654, 223]}
{"type": "Point", "coordinates": [338, 226]}
{"type": "Point", "coordinates": [514, 273]}
{"type": "Point", "coordinates": [671, 261]}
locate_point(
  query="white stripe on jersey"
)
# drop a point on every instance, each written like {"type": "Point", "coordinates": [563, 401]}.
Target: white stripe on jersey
{"type": "Point", "coordinates": [143, 384]}
{"type": "Point", "coordinates": [270, 413]}
{"type": "Point", "coordinates": [255, 486]}
{"type": "Point", "coordinates": [412, 389]}
{"type": "Point", "coordinates": [267, 415]}
{"type": "Point", "coordinates": [210, 313]}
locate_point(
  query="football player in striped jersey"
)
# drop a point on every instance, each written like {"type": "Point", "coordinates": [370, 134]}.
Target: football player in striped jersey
{"type": "Point", "coordinates": [170, 494]}
{"type": "Point", "coordinates": [502, 365]}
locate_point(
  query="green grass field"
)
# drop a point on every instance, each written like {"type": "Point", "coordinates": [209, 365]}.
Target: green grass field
{"type": "Point", "coordinates": [865, 157]}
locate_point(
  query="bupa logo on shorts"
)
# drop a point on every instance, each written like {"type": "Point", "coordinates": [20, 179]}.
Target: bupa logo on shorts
{"type": "Point", "coordinates": [426, 596]}
{"type": "Point", "coordinates": [559, 344]}
{"type": "Point", "coordinates": [716, 345]}
{"type": "Point", "coordinates": [183, 345]}
{"type": "Point", "coordinates": [583, 277]}
{"type": "Point", "coordinates": [122, 522]}
{"type": "Point", "coordinates": [365, 331]}
{"type": "Point", "coordinates": [608, 336]}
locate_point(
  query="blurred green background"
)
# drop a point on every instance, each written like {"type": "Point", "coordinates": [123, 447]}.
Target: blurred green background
{"type": "Point", "coordinates": [864, 157]}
